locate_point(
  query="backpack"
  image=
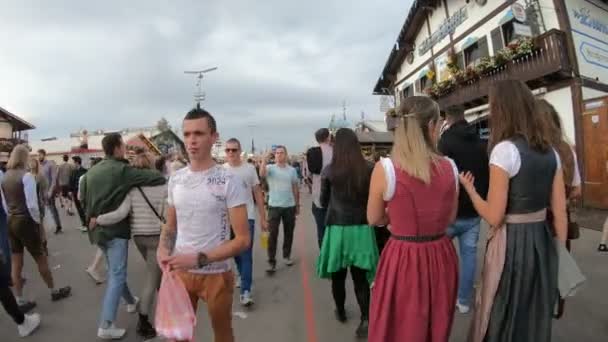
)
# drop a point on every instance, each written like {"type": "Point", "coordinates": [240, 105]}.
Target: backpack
{"type": "Point", "coordinates": [314, 160]}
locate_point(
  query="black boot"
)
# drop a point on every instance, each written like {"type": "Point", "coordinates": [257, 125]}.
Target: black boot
{"type": "Point", "coordinates": [145, 329]}
{"type": "Point", "coordinates": [361, 331]}
{"type": "Point", "coordinates": [341, 315]}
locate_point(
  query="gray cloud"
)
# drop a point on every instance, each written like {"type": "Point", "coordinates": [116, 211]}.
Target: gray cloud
{"type": "Point", "coordinates": [284, 66]}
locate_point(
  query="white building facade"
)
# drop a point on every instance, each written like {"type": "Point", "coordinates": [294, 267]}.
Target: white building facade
{"type": "Point", "coordinates": [453, 50]}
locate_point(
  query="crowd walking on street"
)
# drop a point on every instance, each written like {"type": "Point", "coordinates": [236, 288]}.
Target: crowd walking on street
{"type": "Point", "coordinates": [392, 222]}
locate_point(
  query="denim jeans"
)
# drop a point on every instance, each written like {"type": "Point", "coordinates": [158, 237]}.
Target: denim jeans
{"type": "Point", "coordinates": [319, 215]}
{"type": "Point", "coordinates": [467, 232]}
{"type": "Point", "coordinates": [244, 262]}
{"type": "Point", "coordinates": [116, 252]}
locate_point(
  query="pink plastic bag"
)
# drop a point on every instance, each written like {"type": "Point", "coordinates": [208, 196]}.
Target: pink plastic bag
{"type": "Point", "coordinates": [175, 317]}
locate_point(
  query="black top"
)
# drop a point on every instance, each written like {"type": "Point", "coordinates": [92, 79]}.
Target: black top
{"type": "Point", "coordinates": [530, 189]}
{"type": "Point", "coordinates": [462, 144]}
{"type": "Point", "coordinates": [343, 208]}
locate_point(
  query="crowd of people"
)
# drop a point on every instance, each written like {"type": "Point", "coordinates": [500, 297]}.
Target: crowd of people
{"type": "Point", "coordinates": [391, 222]}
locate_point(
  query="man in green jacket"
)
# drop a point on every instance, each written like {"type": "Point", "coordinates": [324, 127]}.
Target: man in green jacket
{"type": "Point", "coordinates": [105, 187]}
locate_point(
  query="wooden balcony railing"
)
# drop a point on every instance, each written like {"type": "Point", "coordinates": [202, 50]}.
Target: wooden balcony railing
{"type": "Point", "coordinates": [7, 145]}
{"type": "Point", "coordinates": [547, 63]}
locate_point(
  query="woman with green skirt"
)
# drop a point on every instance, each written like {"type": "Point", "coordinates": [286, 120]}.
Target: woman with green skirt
{"type": "Point", "coordinates": [349, 242]}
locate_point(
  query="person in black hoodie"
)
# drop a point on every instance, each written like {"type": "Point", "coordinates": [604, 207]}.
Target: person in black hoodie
{"type": "Point", "coordinates": [461, 143]}
{"type": "Point", "coordinates": [78, 172]}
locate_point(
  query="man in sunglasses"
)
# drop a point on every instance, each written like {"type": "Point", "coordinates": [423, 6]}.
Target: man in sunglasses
{"type": "Point", "coordinates": [246, 172]}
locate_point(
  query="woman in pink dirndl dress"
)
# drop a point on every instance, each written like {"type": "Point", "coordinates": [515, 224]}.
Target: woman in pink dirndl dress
{"type": "Point", "coordinates": [414, 295]}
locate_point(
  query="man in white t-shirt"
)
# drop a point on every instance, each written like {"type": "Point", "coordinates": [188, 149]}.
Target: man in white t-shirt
{"type": "Point", "coordinates": [205, 199]}
{"type": "Point", "coordinates": [247, 173]}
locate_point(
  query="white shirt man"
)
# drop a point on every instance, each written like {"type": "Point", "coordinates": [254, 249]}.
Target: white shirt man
{"type": "Point", "coordinates": [205, 200]}
{"type": "Point", "coordinates": [247, 173]}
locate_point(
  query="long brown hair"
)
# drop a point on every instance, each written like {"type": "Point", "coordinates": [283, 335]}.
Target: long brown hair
{"type": "Point", "coordinates": [34, 166]}
{"type": "Point", "coordinates": [513, 113]}
{"type": "Point", "coordinates": [20, 156]}
{"type": "Point", "coordinates": [548, 113]}
{"type": "Point", "coordinates": [349, 171]}
{"type": "Point", "coordinates": [414, 149]}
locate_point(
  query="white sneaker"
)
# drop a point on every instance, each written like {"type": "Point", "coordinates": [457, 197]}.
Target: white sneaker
{"type": "Point", "coordinates": [289, 262]}
{"type": "Point", "coordinates": [463, 309]}
{"type": "Point", "coordinates": [111, 333]}
{"type": "Point", "coordinates": [132, 308]}
{"type": "Point", "coordinates": [246, 299]}
{"type": "Point", "coordinates": [31, 323]}
{"type": "Point", "coordinates": [98, 279]}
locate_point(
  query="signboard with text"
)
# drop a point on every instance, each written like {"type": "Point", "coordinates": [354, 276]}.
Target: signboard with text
{"type": "Point", "coordinates": [446, 28]}
{"type": "Point", "coordinates": [589, 21]}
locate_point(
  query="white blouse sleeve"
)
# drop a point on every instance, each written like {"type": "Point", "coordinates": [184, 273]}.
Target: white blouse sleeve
{"type": "Point", "coordinates": [506, 156]}
{"type": "Point", "coordinates": [558, 160]}
{"type": "Point", "coordinates": [455, 169]}
{"type": "Point", "coordinates": [576, 180]}
{"type": "Point", "coordinates": [391, 179]}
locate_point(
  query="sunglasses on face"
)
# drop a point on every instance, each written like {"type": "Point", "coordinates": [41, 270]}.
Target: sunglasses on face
{"type": "Point", "coordinates": [232, 150]}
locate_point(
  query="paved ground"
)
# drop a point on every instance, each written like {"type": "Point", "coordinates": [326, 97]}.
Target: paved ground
{"type": "Point", "coordinates": [292, 306]}
{"type": "Point", "coordinates": [592, 218]}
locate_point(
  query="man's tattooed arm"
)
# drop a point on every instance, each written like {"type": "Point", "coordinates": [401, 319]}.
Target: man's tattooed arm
{"type": "Point", "coordinates": [168, 235]}
{"type": "Point", "coordinates": [168, 238]}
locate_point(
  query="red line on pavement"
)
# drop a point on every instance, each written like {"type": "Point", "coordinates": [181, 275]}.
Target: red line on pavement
{"type": "Point", "coordinates": [311, 330]}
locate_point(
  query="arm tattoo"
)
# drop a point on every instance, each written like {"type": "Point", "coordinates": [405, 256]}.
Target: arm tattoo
{"type": "Point", "coordinates": [169, 238]}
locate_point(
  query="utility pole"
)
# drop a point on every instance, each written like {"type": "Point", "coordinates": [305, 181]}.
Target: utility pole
{"type": "Point", "coordinates": [199, 96]}
{"type": "Point", "coordinates": [252, 127]}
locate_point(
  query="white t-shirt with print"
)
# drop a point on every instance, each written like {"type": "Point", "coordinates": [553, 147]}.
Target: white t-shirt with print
{"type": "Point", "coordinates": [247, 173]}
{"type": "Point", "coordinates": [201, 200]}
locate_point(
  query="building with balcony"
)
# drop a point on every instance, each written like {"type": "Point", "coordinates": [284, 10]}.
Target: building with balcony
{"type": "Point", "coordinates": [453, 50]}
{"type": "Point", "coordinates": [87, 144]}
{"type": "Point", "coordinates": [13, 131]}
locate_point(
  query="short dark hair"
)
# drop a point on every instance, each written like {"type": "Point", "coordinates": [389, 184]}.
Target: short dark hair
{"type": "Point", "coordinates": [234, 141]}
{"type": "Point", "coordinates": [322, 135]}
{"type": "Point", "coordinates": [199, 113]}
{"type": "Point", "coordinates": [65, 158]}
{"type": "Point", "coordinates": [42, 151]}
{"type": "Point", "coordinates": [455, 112]}
{"type": "Point", "coordinates": [110, 142]}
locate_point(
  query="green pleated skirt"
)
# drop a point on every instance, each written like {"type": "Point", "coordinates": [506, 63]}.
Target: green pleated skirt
{"type": "Point", "coordinates": [346, 246]}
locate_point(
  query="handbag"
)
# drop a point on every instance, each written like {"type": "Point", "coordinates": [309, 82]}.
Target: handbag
{"type": "Point", "coordinates": [162, 219]}
{"type": "Point", "coordinates": [574, 231]}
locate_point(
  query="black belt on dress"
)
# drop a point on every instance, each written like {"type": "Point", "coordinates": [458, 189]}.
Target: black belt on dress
{"type": "Point", "coordinates": [418, 238]}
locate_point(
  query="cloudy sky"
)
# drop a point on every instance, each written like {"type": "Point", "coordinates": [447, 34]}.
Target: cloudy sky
{"type": "Point", "coordinates": [284, 66]}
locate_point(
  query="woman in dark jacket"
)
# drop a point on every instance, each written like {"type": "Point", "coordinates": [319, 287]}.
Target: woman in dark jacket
{"type": "Point", "coordinates": [349, 242]}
